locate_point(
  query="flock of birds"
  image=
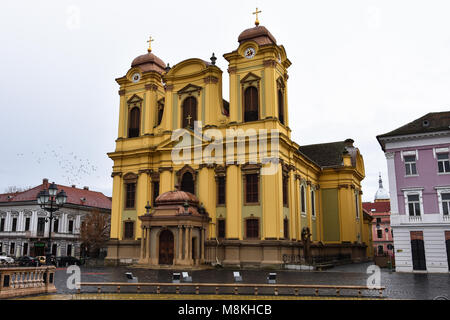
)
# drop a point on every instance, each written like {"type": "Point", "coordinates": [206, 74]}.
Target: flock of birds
{"type": "Point", "coordinates": [72, 168]}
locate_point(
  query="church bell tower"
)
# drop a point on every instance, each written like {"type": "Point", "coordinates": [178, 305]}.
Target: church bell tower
{"type": "Point", "coordinates": [258, 79]}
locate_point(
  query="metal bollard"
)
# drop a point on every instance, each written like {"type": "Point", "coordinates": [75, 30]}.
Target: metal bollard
{"type": "Point", "coordinates": [235, 290]}
{"type": "Point", "coordinates": [177, 289]}
{"type": "Point", "coordinates": [99, 289]}
{"type": "Point", "coordinates": [317, 292]}
{"type": "Point", "coordinates": [196, 290]}
{"type": "Point", "coordinates": [217, 290]}
{"type": "Point", "coordinates": [118, 289]}
{"type": "Point", "coordinates": [276, 291]}
{"type": "Point", "coordinates": [338, 292]}
{"type": "Point", "coordinates": [158, 289]}
{"type": "Point", "coordinates": [139, 289]}
{"type": "Point", "coordinates": [256, 291]}
{"type": "Point", "coordinates": [296, 291]}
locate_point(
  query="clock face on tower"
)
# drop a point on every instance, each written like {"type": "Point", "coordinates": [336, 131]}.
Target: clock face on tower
{"type": "Point", "coordinates": [249, 53]}
{"type": "Point", "coordinates": [136, 77]}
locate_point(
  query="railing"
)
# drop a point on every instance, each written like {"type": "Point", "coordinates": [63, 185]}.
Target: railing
{"type": "Point", "coordinates": [446, 217]}
{"type": "Point", "coordinates": [415, 218]}
{"type": "Point", "coordinates": [21, 281]}
{"type": "Point", "coordinates": [293, 288]}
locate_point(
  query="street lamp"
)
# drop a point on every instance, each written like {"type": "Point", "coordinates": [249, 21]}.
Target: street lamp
{"type": "Point", "coordinates": [50, 200]}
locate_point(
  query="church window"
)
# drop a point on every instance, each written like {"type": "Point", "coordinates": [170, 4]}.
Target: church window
{"type": "Point", "coordinates": [251, 188]}
{"type": "Point", "coordinates": [134, 123]}
{"type": "Point", "coordinates": [220, 228]}
{"type": "Point", "coordinates": [187, 183]}
{"type": "Point", "coordinates": [160, 111]}
{"type": "Point", "coordinates": [303, 199]}
{"type": "Point", "coordinates": [189, 112]}
{"type": "Point", "coordinates": [285, 191]}
{"type": "Point", "coordinates": [252, 228]}
{"type": "Point", "coordinates": [281, 106]}
{"type": "Point", "coordinates": [155, 191]}
{"type": "Point", "coordinates": [251, 104]}
{"type": "Point", "coordinates": [130, 195]}
{"type": "Point", "coordinates": [128, 227]}
{"type": "Point", "coordinates": [286, 228]}
{"type": "Point", "coordinates": [313, 204]}
{"type": "Point", "coordinates": [221, 190]}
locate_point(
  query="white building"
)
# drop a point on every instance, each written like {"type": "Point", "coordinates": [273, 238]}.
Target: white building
{"type": "Point", "coordinates": [24, 226]}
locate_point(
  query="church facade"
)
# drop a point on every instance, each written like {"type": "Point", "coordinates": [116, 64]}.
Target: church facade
{"type": "Point", "coordinates": [230, 211]}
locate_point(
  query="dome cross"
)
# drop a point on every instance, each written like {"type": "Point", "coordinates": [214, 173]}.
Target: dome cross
{"type": "Point", "coordinates": [256, 13]}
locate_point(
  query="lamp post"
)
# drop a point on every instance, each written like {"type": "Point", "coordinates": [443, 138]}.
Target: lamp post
{"type": "Point", "coordinates": [51, 200]}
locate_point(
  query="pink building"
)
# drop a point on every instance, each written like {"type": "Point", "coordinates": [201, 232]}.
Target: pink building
{"type": "Point", "coordinates": [380, 210]}
{"type": "Point", "coordinates": [419, 180]}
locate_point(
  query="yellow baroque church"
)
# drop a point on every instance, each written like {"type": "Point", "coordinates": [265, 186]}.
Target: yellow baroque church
{"type": "Point", "coordinates": [228, 212]}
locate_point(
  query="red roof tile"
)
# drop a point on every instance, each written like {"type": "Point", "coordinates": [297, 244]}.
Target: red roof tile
{"type": "Point", "coordinates": [382, 206]}
{"type": "Point", "coordinates": [74, 196]}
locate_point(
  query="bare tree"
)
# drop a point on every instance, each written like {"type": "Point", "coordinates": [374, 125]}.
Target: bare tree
{"type": "Point", "coordinates": [94, 232]}
{"type": "Point", "coordinates": [15, 189]}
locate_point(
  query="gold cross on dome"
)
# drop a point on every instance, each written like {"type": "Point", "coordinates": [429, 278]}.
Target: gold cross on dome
{"type": "Point", "coordinates": [188, 118]}
{"type": "Point", "coordinates": [150, 44]}
{"type": "Point", "coordinates": [256, 13]}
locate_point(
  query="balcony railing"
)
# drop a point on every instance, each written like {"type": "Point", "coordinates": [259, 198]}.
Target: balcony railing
{"type": "Point", "coordinates": [15, 282]}
{"type": "Point", "coordinates": [415, 218]}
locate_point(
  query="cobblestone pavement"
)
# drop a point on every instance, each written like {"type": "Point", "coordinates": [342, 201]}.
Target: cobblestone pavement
{"type": "Point", "coordinates": [398, 285]}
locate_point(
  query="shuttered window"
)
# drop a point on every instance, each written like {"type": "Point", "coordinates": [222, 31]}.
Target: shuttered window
{"type": "Point", "coordinates": [251, 104]}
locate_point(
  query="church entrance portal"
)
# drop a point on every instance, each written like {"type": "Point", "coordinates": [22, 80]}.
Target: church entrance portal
{"type": "Point", "coordinates": [166, 247]}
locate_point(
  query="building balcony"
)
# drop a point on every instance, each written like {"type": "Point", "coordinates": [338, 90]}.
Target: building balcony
{"type": "Point", "coordinates": [428, 219]}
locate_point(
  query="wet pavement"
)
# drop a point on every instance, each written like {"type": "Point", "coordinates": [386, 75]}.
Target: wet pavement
{"type": "Point", "coordinates": [398, 285]}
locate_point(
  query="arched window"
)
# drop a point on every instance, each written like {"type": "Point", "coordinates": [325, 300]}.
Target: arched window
{"type": "Point", "coordinates": [251, 104]}
{"type": "Point", "coordinates": [187, 183]}
{"type": "Point", "coordinates": [189, 112]}
{"type": "Point", "coordinates": [280, 106]}
{"type": "Point", "coordinates": [134, 123]}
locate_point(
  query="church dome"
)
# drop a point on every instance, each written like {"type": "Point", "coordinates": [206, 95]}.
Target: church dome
{"type": "Point", "coordinates": [381, 194]}
{"type": "Point", "coordinates": [259, 34]}
{"type": "Point", "coordinates": [149, 62]}
{"type": "Point", "coordinates": [177, 197]}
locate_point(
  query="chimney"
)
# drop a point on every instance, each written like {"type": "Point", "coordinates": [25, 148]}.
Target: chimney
{"type": "Point", "coordinates": [45, 183]}
{"type": "Point", "coordinates": [86, 188]}
{"type": "Point", "coordinates": [74, 186]}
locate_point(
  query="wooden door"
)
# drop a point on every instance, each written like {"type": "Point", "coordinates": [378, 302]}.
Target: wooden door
{"type": "Point", "coordinates": [418, 254]}
{"type": "Point", "coordinates": [166, 247]}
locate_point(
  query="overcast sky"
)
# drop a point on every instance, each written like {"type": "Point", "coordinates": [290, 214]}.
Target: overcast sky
{"type": "Point", "coordinates": [359, 68]}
